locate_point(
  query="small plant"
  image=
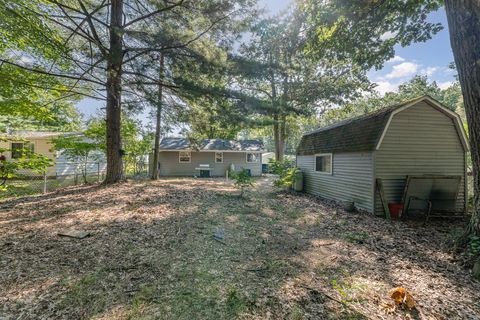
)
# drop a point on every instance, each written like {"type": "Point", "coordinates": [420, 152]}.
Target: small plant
{"type": "Point", "coordinates": [474, 246]}
{"type": "Point", "coordinates": [280, 167]}
{"type": "Point", "coordinates": [243, 180]}
{"type": "Point", "coordinates": [346, 290]}
{"type": "Point", "coordinates": [235, 301]}
{"type": "Point", "coordinates": [287, 178]}
{"type": "Point", "coordinates": [286, 172]}
{"type": "Point", "coordinates": [356, 237]}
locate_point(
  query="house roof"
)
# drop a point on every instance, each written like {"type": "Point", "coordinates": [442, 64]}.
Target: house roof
{"type": "Point", "coordinates": [23, 134]}
{"type": "Point", "coordinates": [211, 145]}
{"type": "Point", "coordinates": [363, 133]}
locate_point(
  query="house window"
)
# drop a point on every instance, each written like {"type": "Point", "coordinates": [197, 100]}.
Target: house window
{"type": "Point", "coordinates": [218, 157]}
{"type": "Point", "coordinates": [19, 148]}
{"type": "Point", "coordinates": [184, 157]}
{"type": "Point", "coordinates": [253, 157]}
{"type": "Point", "coordinates": [323, 163]}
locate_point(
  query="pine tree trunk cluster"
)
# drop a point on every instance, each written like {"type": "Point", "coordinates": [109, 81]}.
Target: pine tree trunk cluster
{"type": "Point", "coordinates": [464, 25]}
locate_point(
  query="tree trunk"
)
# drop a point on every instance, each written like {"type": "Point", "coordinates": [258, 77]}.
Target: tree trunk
{"type": "Point", "coordinates": [276, 123]}
{"type": "Point", "coordinates": [114, 95]}
{"type": "Point", "coordinates": [464, 25]}
{"type": "Point", "coordinates": [282, 135]}
{"type": "Point", "coordinates": [158, 125]}
{"type": "Point", "coordinates": [276, 138]}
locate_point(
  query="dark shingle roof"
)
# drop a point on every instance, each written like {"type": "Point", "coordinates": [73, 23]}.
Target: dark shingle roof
{"type": "Point", "coordinates": [351, 135]}
{"type": "Point", "coordinates": [211, 144]}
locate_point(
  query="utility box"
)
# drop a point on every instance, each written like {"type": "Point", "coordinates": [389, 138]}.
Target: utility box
{"type": "Point", "coordinates": [298, 182]}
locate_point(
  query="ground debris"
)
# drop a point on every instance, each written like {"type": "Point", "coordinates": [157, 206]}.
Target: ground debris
{"type": "Point", "coordinates": [402, 297]}
{"type": "Point", "coordinates": [153, 255]}
{"type": "Point", "coordinates": [77, 234]}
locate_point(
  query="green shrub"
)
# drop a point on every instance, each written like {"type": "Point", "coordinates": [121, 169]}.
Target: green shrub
{"type": "Point", "coordinates": [280, 167]}
{"type": "Point", "coordinates": [474, 246]}
{"type": "Point", "coordinates": [243, 180]}
{"type": "Point", "coordinates": [286, 172]}
{"type": "Point", "coordinates": [287, 178]}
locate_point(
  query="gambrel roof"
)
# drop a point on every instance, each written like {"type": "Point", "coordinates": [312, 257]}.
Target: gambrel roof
{"type": "Point", "coordinates": [366, 132]}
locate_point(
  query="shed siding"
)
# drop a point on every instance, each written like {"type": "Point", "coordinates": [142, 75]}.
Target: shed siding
{"type": "Point", "coordinates": [419, 141]}
{"type": "Point", "coordinates": [351, 179]}
{"type": "Point", "coordinates": [169, 165]}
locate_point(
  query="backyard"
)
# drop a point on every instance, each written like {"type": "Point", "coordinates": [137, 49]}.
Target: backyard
{"type": "Point", "coordinates": [192, 249]}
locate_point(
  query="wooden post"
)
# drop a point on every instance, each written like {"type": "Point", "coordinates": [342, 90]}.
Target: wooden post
{"type": "Point", "coordinates": [44, 181]}
{"type": "Point", "coordinates": [383, 199]}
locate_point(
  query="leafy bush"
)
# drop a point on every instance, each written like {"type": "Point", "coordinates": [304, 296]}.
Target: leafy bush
{"type": "Point", "coordinates": [286, 172]}
{"type": "Point", "coordinates": [474, 246]}
{"type": "Point", "coordinates": [243, 180]}
{"type": "Point", "coordinates": [286, 178]}
{"type": "Point", "coordinates": [9, 168]}
{"type": "Point", "coordinates": [280, 167]}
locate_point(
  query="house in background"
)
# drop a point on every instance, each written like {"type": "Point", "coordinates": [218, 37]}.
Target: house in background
{"type": "Point", "coordinates": [268, 157]}
{"type": "Point", "coordinates": [209, 157]}
{"type": "Point", "coordinates": [41, 142]}
{"type": "Point", "coordinates": [416, 138]}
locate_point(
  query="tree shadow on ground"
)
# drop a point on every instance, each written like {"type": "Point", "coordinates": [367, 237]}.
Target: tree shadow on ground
{"type": "Point", "coordinates": [152, 254]}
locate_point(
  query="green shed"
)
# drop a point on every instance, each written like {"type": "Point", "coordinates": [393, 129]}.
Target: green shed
{"type": "Point", "coordinates": [420, 137]}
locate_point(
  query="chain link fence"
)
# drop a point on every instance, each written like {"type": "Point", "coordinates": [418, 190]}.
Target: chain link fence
{"type": "Point", "coordinates": [64, 174]}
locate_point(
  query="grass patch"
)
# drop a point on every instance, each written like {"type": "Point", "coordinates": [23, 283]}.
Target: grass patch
{"type": "Point", "coordinates": [356, 237]}
{"type": "Point", "coordinates": [141, 302]}
{"type": "Point", "coordinates": [88, 295]}
{"type": "Point", "coordinates": [296, 313]}
{"type": "Point", "coordinates": [236, 302]}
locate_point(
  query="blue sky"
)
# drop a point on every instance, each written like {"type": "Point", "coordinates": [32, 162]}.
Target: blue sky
{"type": "Point", "coordinates": [431, 58]}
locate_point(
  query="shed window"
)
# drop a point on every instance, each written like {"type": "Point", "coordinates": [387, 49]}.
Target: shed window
{"type": "Point", "coordinates": [19, 148]}
{"type": "Point", "coordinates": [218, 157]}
{"type": "Point", "coordinates": [253, 157]}
{"type": "Point", "coordinates": [323, 163]}
{"type": "Point", "coordinates": [184, 157]}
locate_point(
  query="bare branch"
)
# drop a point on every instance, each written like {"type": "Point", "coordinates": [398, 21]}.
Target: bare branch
{"type": "Point", "coordinates": [88, 17]}
{"type": "Point", "coordinates": [151, 14]}
{"type": "Point", "coordinates": [66, 76]}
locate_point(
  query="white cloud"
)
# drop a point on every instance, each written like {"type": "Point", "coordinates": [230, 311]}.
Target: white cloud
{"type": "Point", "coordinates": [445, 85]}
{"type": "Point", "coordinates": [429, 71]}
{"type": "Point", "coordinates": [402, 70]}
{"type": "Point", "coordinates": [396, 59]}
{"type": "Point", "coordinates": [385, 86]}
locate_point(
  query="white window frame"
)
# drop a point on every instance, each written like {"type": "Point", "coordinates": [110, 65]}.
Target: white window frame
{"type": "Point", "coordinates": [257, 157]}
{"type": "Point", "coordinates": [185, 155]}
{"type": "Point", "coordinates": [323, 155]}
{"type": "Point", "coordinates": [221, 156]}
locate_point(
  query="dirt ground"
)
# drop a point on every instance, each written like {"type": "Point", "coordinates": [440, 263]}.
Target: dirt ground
{"type": "Point", "coordinates": [192, 249]}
